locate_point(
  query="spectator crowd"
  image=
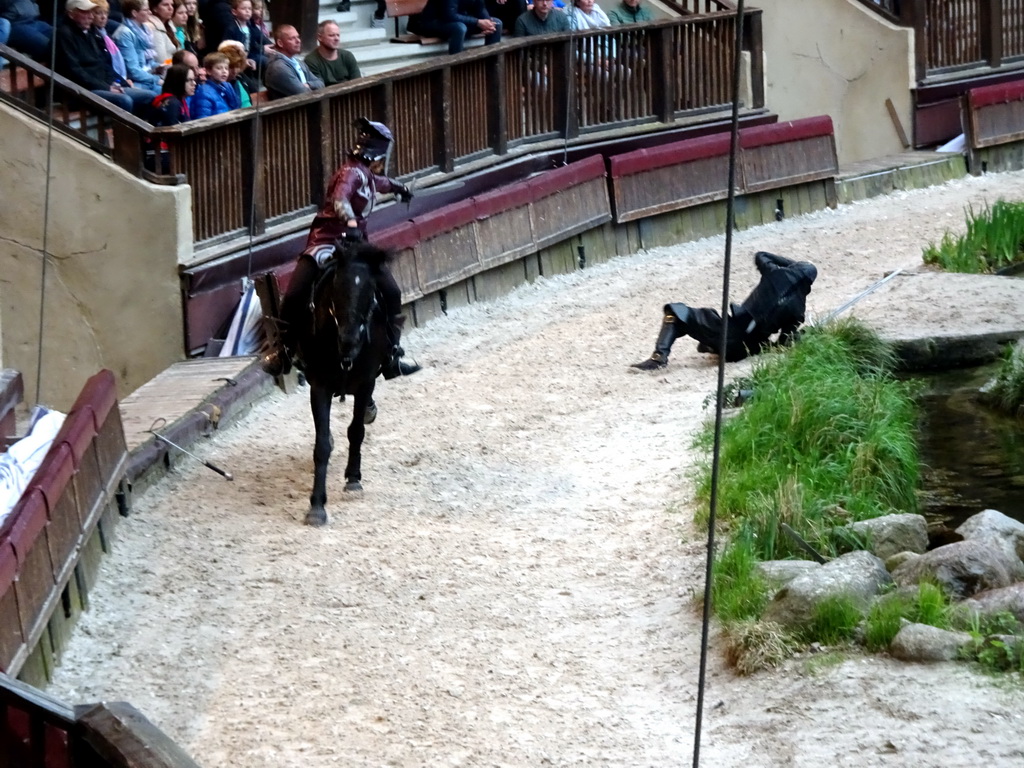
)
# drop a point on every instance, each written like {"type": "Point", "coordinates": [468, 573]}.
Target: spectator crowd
{"type": "Point", "coordinates": [168, 61]}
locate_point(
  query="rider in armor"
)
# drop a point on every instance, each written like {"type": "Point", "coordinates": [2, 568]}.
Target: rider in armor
{"type": "Point", "coordinates": [351, 195]}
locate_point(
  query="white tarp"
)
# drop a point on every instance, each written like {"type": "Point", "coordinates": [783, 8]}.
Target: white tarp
{"type": "Point", "coordinates": [246, 331]}
{"type": "Point", "coordinates": [24, 457]}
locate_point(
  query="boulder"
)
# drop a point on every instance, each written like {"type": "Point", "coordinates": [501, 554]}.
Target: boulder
{"type": "Point", "coordinates": [964, 568]}
{"type": "Point", "coordinates": [858, 575]}
{"type": "Point", "coordinates": [921, 642]}
{"type": "Point", "coordinates": [779, 573]}
{"type": "Point", "coordinates": [891, 534]}
{"type": "Point", "coordinates": [991, 522]}
{"type": "Point", "coordinates": [895, 561]}
{"type": "Point", "coordinates": [1005, 599]}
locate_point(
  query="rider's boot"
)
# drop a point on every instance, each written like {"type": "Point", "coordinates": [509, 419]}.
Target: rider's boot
{"type": "Point", "coordinates": [671, 329]}
{"type": "Point", "coordinates": [395, 367]}
{"type": "Point", "coordinates": [275, 359]}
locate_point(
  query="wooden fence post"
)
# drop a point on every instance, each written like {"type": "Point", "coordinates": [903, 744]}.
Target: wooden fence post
{"type": "Point", "coordinates": [497, 117]}
{"type": "Point", "coordinates": [990, 29]}
{"type": "Point", "coordinates": [444, 139]}
{"type": "Point", "coordinates": [664, 61]}
{"type": "Point", "coordinates": [565, 88]}
{"type": "Point", "coordinates": [254, 180]}
{"type": "Point", "coordinates": [754, 41]}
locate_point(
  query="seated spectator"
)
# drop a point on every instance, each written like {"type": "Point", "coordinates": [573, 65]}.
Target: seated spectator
{"type": "Point", "coordinates": [253, 42]}
{"type": "Point", "coordinates": [328, 61]}
{"type": "Point", "coordinates": [28, 34]}
{"type": "Point", "coordinates": [165, 42]}
{"type": "Point", "coordinates": [178, 21]}
{"type": "Point", "coordinates": [216, 96]}
{"type": "Point", "coordinates": [238, 61]}
{"type": "Point", "coordinates": [586, 14]}
{"type": "Point", "coordinates": [100, 19]}
{"type": "Point", "coordinates": [134, 40]}
{"type": "Point", "coordinates": [191, 61]}
{"type": "Point", "coordinates": [286, 74]}
{"type": "Point", "coordinates": [259, 20]}
{"type": "Point", "coordinates": [194, 28]}
{"type": "Point", "coordinates": [454, 20]}
{"type": "Point", "coordinates": [506, 11]}
{"type": "Point", "coordinates": [172, 106]}
{"type": "Point", "coordinates": [5, 32]}
{"type": "Point", "coordinates": [542, 19]}
{"type": "Point", "coordinates": [630, 12]}
{"type": "Point", "coordinates": [83, 59]}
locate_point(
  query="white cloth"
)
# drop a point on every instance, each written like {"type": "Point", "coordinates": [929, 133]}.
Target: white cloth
{"type": "Point", "coordinates": [22, 460]}
{"type": "Point", "coordinates": [596, 19]}
{"type": "Point", "coordinates": [959, 144]}
{"type": "Point", "coordinates": [246, 329]}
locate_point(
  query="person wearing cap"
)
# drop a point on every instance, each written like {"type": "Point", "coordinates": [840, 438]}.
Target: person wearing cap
{"type": "Point", "coordinates": [287, 74]}
{"type": "Point", "coordinates": [776, 305]}
{"type": "Point", "coordinates": [82, 57]}
{"type": "Point", "coordinates": [350, 198]}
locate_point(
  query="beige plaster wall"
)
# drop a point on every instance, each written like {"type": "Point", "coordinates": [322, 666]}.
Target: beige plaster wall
{"type": "Point", "coordinates": [835, 57]}
{"type": "Point", "coordinates": [112, 296]}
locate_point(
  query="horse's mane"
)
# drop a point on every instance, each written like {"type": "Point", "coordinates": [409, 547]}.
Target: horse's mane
{"type": "Point", "coordinates": [368, 254]}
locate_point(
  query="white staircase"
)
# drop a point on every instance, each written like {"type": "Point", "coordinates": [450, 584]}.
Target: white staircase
{"type": "Point", "coordinates": [372, 47]}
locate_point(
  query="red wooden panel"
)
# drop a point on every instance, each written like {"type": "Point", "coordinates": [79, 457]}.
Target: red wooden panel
{"type": "Point", "coordinates": [996, 94]}
{"type": "Point", "coordinates": [77, 432]}
{"type": "Point", "coordinates": [8, 563]}
{"type": "Point", "coordinates": [53, 475]}
{"type": "Point", "coordinates": [30, 519]}
{"type": "Point", "coordinates": [670, 154]}
{"type": "Point", "coordinates": [502, 199]}
{"type": "Point", "coordinates": [398, 237]}
{"type": "Point", "coordinates": [445, 219]}
{"type": "Point", "coordinates": [99, 392]}
{"type": "Point", "coordinates": [780, 133]}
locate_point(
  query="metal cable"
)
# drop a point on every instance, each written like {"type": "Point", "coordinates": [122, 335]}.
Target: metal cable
{"type": "Point", "coordinates": [730, 222]}
{"type": "Point", "coordinates": [46, 204]}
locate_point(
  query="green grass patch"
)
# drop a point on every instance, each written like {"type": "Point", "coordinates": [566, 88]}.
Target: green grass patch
{"type": "Point", "coordinates": [1007, 390]}
{"type": "Point", "coordinates": [827, 439]}
{"type": "Point", "coordinates": [994, 239]}
{"type": "Point", "coordinates": [738, 592]}
{"type": "Point", "coordinates": [834, 621]}
{"type": "Point", "coordinates": [997, 642]}
{"type": "Point", "coordinates": [751, 646]}
{"type": "Point", "coordinates": [928, 606]}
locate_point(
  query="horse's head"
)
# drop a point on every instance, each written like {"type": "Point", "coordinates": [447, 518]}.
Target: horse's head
{"type": "Point", "coordinates": [352, 295]}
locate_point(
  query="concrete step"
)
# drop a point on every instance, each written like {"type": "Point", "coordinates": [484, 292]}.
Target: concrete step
{"type": "Point", "coordinates": [388, 56]}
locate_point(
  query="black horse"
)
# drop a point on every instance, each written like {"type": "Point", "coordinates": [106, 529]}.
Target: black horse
{"type": "Point", "coordinates": [344, 344]}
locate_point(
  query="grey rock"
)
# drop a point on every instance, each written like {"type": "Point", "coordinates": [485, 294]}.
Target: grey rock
{"type": "Point", "coordinates": [891, 534]}
{"type": "Point", "coordinates": [895, 561]}
{"type": "Point", "coordinates": [991, 522]}
{"type": "Point", "coordinates": [920, 642]}
{"type": "Point", "coordinates": [992, 601]}
{"type": "Point", "coordinates": [964, 568]}
{"type": "Point", "coordinates": [858, 575]}
{"type": "Point", "coordinates": [780, 572]}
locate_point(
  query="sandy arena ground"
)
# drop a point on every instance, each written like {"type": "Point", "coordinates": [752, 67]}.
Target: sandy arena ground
{"type": "Point", "coordinates": [515, 585]}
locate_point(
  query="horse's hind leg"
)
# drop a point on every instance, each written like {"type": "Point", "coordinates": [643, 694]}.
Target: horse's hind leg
{"type": "Point", "coordinates": [356, 433]}
{"type": "Point", "coordinates": [320, 404]}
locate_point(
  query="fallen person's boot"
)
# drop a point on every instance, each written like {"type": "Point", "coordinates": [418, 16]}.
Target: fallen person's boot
{"type": "Point", "coordinates": [667, 335]}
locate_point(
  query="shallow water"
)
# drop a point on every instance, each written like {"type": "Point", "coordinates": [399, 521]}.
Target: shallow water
{"type": "Point", "coordinates": [972, 456]}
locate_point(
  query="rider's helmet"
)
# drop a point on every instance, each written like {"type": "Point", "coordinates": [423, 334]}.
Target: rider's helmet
{"type": "Point", "coordinates": [373, 142]}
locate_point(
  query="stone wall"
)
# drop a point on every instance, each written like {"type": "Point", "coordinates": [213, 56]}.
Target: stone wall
{"type": "Point", "coordinates": [112, 297]}
{"type": "Point", "coordinates": [835, 57]}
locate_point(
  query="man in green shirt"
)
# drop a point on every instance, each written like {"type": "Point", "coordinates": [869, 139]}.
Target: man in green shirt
{"type": "Point", "coordinates": [328, 61]}
{"type": "Point", "coordinates": [629, 12]}
{"type": "Point", "coordinates": [542, 19]}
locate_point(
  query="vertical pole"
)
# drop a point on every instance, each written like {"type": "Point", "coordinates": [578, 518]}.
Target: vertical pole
{"type": "Point", "coordinates": [497, 117]}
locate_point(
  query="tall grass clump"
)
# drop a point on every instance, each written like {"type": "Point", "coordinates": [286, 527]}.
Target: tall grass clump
{"type": "Point", "coordinates": [1007, 390]}
{"type": "Point", "coordinates": [929, 605]}
{"type": "Point", "coordinates": [994, 239]}
{"type": "Point", "coordinates": [827, 439]}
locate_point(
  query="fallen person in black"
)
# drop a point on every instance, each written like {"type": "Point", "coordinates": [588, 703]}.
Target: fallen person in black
{"type": "Point", "coordinates": [776, 305]}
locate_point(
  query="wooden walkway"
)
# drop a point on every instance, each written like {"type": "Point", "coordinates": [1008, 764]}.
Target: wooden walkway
{"type": "Point", "coordinates": [180, 389]}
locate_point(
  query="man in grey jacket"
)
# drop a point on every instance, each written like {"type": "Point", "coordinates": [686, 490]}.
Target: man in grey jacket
{"type": "Point", "coordinates": [287, 74]}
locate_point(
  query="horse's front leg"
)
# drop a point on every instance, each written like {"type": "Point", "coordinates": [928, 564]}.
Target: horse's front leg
{"type": "Point", "coordinates": [356, 432]}
{"type": "Point", "coordinates": [320, 404]}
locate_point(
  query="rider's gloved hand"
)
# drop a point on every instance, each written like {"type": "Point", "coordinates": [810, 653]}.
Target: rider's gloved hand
{"type": "Point", "coordinates": [402, 192]}
{"type": "Point", "coordinates": [354, 235]}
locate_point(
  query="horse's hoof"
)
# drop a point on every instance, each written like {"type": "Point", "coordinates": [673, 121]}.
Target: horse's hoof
{"type": "Point", "coordinates": [353, 485]}
{"type": "Point", "coordinates": [370, 415]}
{"type": "Point", "coordinates": [316, 517]}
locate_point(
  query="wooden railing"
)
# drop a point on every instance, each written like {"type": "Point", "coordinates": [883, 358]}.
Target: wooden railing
{"type": "Point", "coordinates": [257, 167]}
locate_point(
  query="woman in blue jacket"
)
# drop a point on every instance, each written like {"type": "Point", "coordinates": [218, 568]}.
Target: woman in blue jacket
{"type": "Point", "coordinates": [216, 95]}
{"type": "Point", "coordinates": [135, 42]}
